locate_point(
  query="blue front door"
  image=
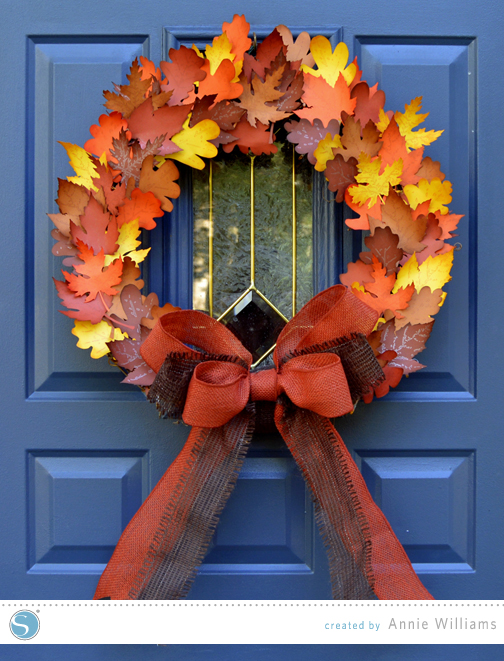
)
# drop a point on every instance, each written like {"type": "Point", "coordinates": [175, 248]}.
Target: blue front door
{"type": "Point", "coordinates": [81, 451]}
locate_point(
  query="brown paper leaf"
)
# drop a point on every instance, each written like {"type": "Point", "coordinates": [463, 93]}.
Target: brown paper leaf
{"type": "Point", "coordinates": [420, 308]}
{"type": "Point", "coordinates": [384, 245]}
{"type": "Point", "coordinates": [340, 174]}
{"type": "Point", "coordinates": [397, 215]}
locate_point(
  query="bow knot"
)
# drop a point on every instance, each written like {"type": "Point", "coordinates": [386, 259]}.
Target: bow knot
{"type": "Point", "coordinates": [206, 371]}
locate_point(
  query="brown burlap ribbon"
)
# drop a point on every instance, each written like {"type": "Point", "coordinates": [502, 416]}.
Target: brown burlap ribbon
{"type": "Point", "coordinates": [323, 365]}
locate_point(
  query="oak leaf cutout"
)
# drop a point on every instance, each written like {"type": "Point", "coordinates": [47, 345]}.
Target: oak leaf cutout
{"type": "Point", "coordinates": [194, 142]}
{"type": "Point", "coordinates": [437, 191]}
{"type": "Point", "coordinates": [422, 306]}
{"type": "Point", "coordinates": [307, 136]}
{"type": "Point", "coordinates": [160, 182]}
{"type": "Point", "coordinates": [129, 96]}
{"type": "Point", "coordinates": [330, 65]}
{"type": "Point", "coordinates": [246, 137]}
{"type": "Point", "coordinates": [142, 206]}
{"type": "Point", "coordinates": [323, 101]}
{"type": "Point", "coordinates": [108, 128]}
{"type": "Point", "coordinates": [369, 102]}
{"type": "Point", "coordinates": [384, 245]}
{"type": "Point", "coordinates": [72, 199]}
{"type": "Point", "coordinates": [221, 83]}
{"type": "Point", "coordinates": [340, 174]}
{"type": "Point", "coordinates": [397, 215]}
{"type": "Point", "coordinates": [430, 170]}
{"type": "Point", "coordinates": [147, 124]}
{"type": "Point", "coordinates": [182, 72]}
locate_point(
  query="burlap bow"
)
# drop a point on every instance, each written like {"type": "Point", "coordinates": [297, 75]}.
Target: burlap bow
{"type": "Point", "coordinates": [323, 364]}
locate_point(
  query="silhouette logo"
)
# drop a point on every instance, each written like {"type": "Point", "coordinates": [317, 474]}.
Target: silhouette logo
{"type": "Point", "coordinates": [24, 625]}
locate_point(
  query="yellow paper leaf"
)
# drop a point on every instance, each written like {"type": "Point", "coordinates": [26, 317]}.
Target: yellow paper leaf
{"type": "Point", "coordinates": [194, 143]}
{"type": "Point", "coordinates": [83, 165]}
{"type": "Point", "coordinates": [407, 121]}
{"type": "Point", "coordinates": [96, 336]}
{"type": "Point", "coordinates": [434, 272]}
{"type": "Point", "coordinates": [324, 151]}
{"type": "Point", "coordinates": [127, 242]}
{"type": "Point", "coordinates": [376, 184]}
{"type": "Point", "coordinates": [219, 51]}
{"type": "Point", "coordinates": [330, 64]}
{"type": "Point", "coordinates": [437, 191]}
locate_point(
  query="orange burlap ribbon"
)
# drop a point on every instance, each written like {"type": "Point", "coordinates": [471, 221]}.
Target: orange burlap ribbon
{"type": "Point", "coordinates": [322, 365]}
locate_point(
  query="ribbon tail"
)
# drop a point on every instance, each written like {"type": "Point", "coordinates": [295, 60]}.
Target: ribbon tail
{"type": "Point", "coordinates": [366, 560]}
{"type": "Point", "coordinates": [160, 551]}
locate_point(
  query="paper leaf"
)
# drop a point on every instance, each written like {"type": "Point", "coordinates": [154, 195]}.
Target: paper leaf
{"type": "Point", "coordinates": [354, 144]}
{"type": "Point", "coordinates": [330, 65]}
{"type": "Point", "coordinates": [156, 313]}
{"type": "Point", "coordinates": [394, 147]}
{"type": "Point", "coordinates": [92, 311]}
{"type": "Point", "coordinates": [340, 174]}
{"type": "Point", "coordinates": [369, 102]}
{"type": "Point", "coordinates": [130, 96]}
{"type": "Point", "coordinates": [82, 164]}
{"type": "Point", "coordinates": [96, 336]}
{"type": "Point", "coordinates": [130, 158]}
{"type": "Point", "coordinates": [438, 192]}
{"type": "Point", "coordinates": [142, 206]}
{"type": "Point", "coordinates": [381, 294]}
{"type": "Point", "coordinates": [97, 229]}
{"type": "Point", "coordinates": [135, 307]}
{"type": "Point", "coordinates": [357, 272]}
{"type": "Point", "coordinates": [161, 182]}
{"type": "Point", "coordinates": [422, 305]}
{"type": "Point", "coordinates": [397, 215]}
{"type": "Point", "coordinates": [94, 278]}
{"type": "Point", "coordinates": [297, 51]}
{"type": "Point", "coordinates": [306, 136]}
{"type": "Point", "coordinates": [256, 139]}
{"type": "Point", "coordinates": [110, 193]}
{"type": "Point", "coordinates": [365, 215]}
{"type": "Point", "coordinates": [221, 83]}
{"type": "Point", "coordinates": [383, 244]}
{"type": "Point", "coordinates": [372, 184]}
{"type": "Point", "coordinates": [255, 98]}
{"type": "Point", "coordinates": [434, 245]}
{"type": "Point", "coordinates": [433, 273]}
{"type": "Point", "coordinates": [407, 343]}
{"type": "Point", "coordinates": [323, 101]}
{"type": "Point", "coordinates": [324, 151]}
{"type": "Point", "coordinates": [182, 72]}
{"type": "Point", "coordinates": [407, 121]}
{"type": "Point", "coordinates": [225, 114]}
{"type": "Point", "coordinates": [194, 142]}
{"type": "Point", "coordinates": [72, 199]}
{"type": "Point", "coordinates": [109, 127]}
{"type": "Point", "coordinates": [430, 170]}
{"type": "Point", "coordinates": [237, 32]}
{"type": "Point", "coordinates": [147, 125]}
{"type": "Point", "coordinates": [64, 245]}
{"type": "Point", "coordinates": [269, 48]}
{"type": "Point", "coordinates": [127, 243]}
{"type": "Point", "coordinates": [448, 224]}
{"type": "Point", "coordinates": [219, 51]}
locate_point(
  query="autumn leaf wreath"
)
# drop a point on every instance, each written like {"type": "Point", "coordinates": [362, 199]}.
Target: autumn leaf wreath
{"type": "Point", "coordinates": [350, 342]}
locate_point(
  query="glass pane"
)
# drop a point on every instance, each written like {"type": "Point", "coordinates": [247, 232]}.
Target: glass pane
{"type": "Point", "coordinates": [273, 235]}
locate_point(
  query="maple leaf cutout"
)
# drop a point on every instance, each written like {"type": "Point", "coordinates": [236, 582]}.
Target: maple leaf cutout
{"type": "Point", "coordinates": [160, 182]}
{"type": "Point", "coordinates": [393, 148]}
{"type": "Point", "coordinates": [94, 278]}
{"type": "Point", "coordinates": [130, 96]}
{"type": "Point", "coordinates": [409, 120]}
{"type": "Point", "coordinates": [355, 142]}
{"type": "Point", "coordinates": [96, 336]}
{"type": "Point", "coordinates": [371, 184]}
{"type": "Point", "coordinates": [380, 294]}
{"type": "Point", "coordinates": [330, 65]}
{"type": "Point", "coordinates": [256, 97]}
{"type": "Point", "coordinates": [130, 158]}
{"type": "Point", "coordinates": [127, 243]}
{"type": "Point", "coordinates": [78, 308]}
{"type": "Point", "coordinates": [434, 272]}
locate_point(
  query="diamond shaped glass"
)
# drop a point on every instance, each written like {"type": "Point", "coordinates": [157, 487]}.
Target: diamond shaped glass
{"type": "Point", "coordinates": [255, 323]}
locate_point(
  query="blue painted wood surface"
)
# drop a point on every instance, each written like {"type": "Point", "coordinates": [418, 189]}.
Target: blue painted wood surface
{"type": "Point", "coordinates": [80, 451]}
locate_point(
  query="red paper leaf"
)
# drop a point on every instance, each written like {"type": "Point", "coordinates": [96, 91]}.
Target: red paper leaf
{"type": "Point", "coordinates": [144, 206]}
{"type": "Point", "coordinates": [79, 308]}
{"type": "Point", "coordinates": [98, 229]}
{"type": "Point", "coordinates": [394, 148]}
{"type": "Point", "coordinates": [136, 307]}
{"type": "Point", "coordinates": [369, 103]}
{"type": "Point", "coordinates": [220, 83]}
{"type": "Point", "coordinates": [94, 278]}
{"type": "Point", "coordinates": [340, 174]}
{"type": "Point", "coordinates": [357, 272]}
{"type": "Point", "coordinates": [146, 125]}
{"type": "Point", "coordinates": [182, 72]}
{"type": "Point", "coordinates": [323, 101]}
{"type": "Point", "coordinates": [269, 48]}
{"type": "Point", "coordinates": [256, 139]}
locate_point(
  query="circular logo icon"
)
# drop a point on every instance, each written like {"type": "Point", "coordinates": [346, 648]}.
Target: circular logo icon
{"type": "Point", "coordinates": [24, 625]}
